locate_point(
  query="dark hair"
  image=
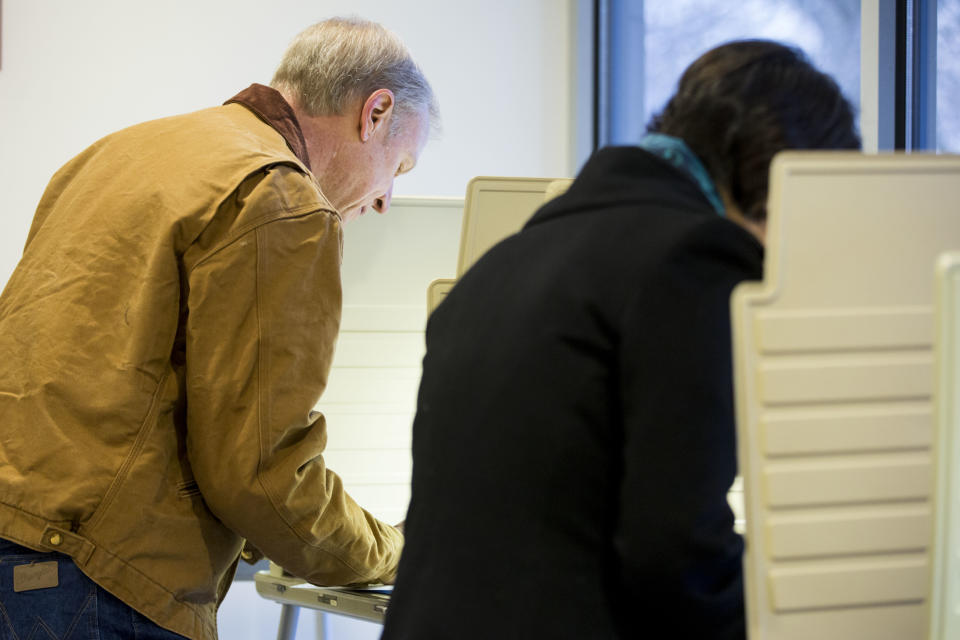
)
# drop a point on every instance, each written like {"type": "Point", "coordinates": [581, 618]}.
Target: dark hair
{"type": "Point", "coordinates": [739, 104]}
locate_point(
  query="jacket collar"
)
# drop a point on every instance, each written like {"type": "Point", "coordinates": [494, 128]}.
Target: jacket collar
{"type": "Point", "coordinates": [626, 176]}
{"type": "Point", "coordinates": [269, 106]}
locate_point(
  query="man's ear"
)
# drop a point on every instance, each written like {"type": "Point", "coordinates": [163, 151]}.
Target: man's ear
{"type": "Point", "coordinates": [375, 113]}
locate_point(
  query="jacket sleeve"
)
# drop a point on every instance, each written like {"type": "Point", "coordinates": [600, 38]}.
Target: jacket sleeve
{"type": "Point", "coordinates": [677, 549]}
{"type": "Point", "coordinates": [263, 313]}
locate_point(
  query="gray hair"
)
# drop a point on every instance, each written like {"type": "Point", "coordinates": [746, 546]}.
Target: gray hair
{"type": "Point", "coordinates": [339, 60]}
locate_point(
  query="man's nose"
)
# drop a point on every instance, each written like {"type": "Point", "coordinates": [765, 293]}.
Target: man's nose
{"type": "Point", "coordinates": [382, 203]}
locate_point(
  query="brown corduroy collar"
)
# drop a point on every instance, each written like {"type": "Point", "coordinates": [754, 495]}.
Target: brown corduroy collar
{"type": "Point", "coordinates": [270, 106]}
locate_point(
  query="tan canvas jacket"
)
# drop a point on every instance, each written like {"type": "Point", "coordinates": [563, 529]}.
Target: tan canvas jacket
{"type": "Point", "coordinates": [162, 343]}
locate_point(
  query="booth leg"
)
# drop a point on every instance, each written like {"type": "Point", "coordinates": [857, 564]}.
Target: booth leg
{"type": "Point", "coordinates": [288, 622]}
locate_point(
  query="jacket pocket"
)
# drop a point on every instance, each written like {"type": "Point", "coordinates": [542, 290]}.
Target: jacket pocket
{"type": "Point", "coordinates": [146, 426]}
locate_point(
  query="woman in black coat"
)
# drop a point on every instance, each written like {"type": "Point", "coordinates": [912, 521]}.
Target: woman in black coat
{"type": "Point", "coordinates": [574, 440]}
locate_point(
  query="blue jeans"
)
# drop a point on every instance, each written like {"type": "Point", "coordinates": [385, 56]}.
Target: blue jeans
{"type": "Point", "coordinates": [75, 609]}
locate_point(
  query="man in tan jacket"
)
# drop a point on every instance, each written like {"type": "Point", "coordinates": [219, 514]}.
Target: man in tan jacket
{"type": "Point", "coordinates": [166, 335]}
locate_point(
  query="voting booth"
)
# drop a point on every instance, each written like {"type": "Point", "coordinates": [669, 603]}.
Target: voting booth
{"type": "Point", "coordinates": [834, 382]}
{"type": "Point", "coordinates": [494, 208]}
{"type": "Point", "coordinates": [945, 596]}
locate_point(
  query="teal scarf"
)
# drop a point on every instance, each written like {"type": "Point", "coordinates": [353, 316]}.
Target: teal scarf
{"type": "Point", "coordinates": [677, 153]}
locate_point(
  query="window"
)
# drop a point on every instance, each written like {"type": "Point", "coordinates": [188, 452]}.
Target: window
{"type": "Point", "coordinates": [642, 47]}
{"type": "Point", "coordinates": [649, 44]}
{"type": "Point", "coordinates": [948, 75]}
{"type": "Point", "coordinates": [677, 32]}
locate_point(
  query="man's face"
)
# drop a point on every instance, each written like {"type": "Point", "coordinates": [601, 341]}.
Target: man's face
{"type": "Point", "coordinates": [362, 179]}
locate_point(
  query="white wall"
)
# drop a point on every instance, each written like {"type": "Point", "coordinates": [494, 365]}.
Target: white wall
{"type": "Point", "coordinates": [370, 399]}
{"type": "Point", "coordinates": [73, 71]}
{"type": "Point", "coordinates": [503, 71]}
